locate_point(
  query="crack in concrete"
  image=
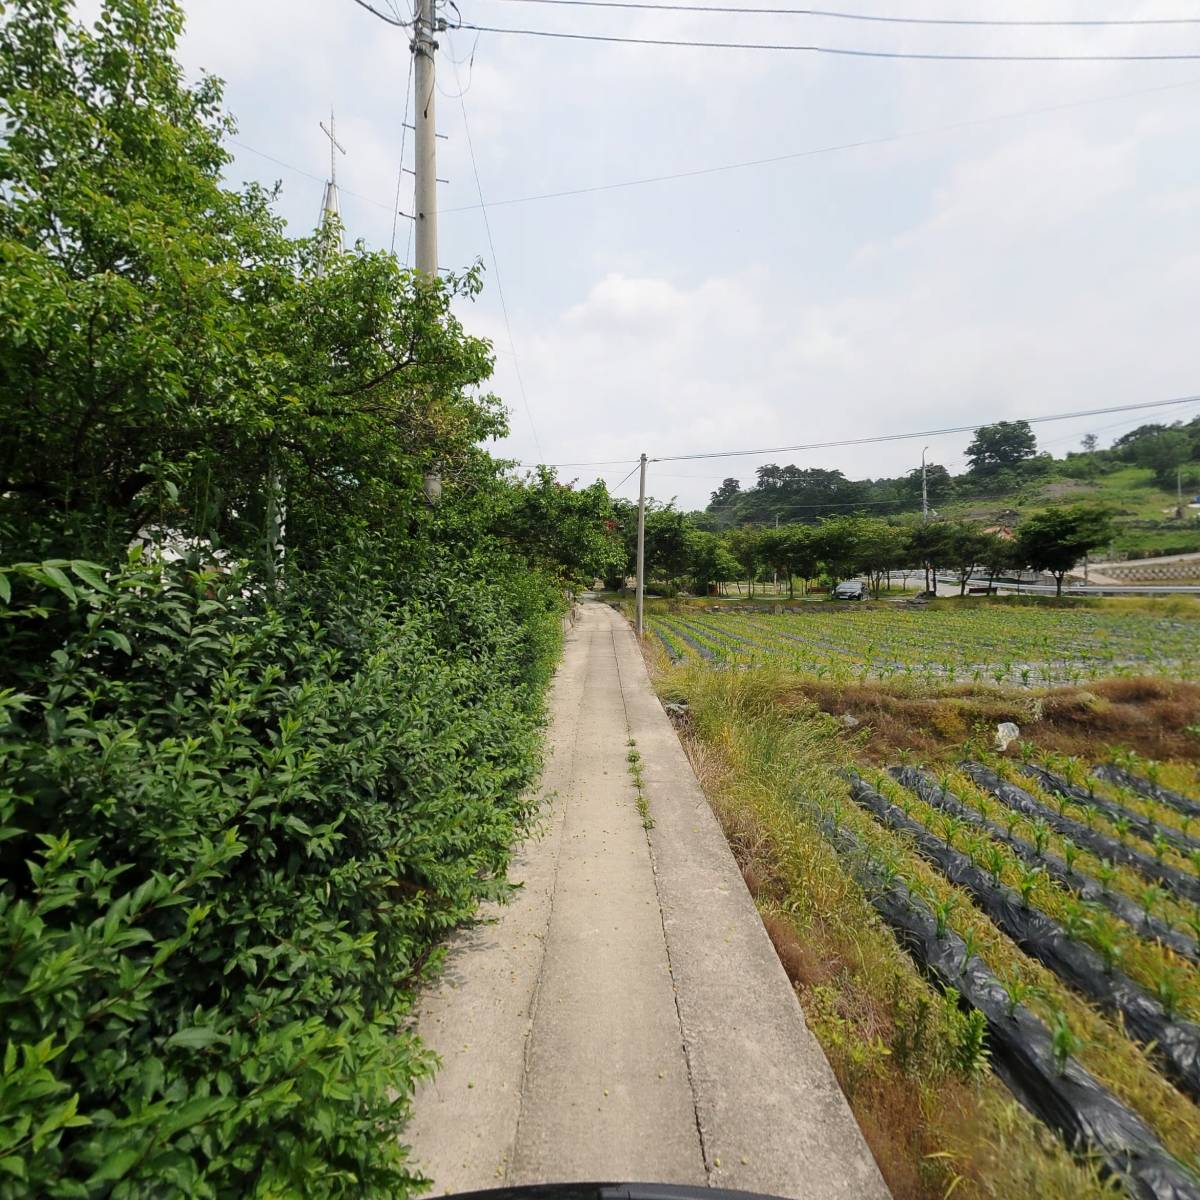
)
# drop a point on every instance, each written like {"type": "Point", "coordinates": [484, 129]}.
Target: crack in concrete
{"type": "Point", "coordinates": [510, 1157]}
{"type": "Point", "coordinates": [683, 1039]}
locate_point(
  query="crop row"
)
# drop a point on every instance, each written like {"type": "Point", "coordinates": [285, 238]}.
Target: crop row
{"type": "Point", "coordinates": [1036, 1061]}
{"type": "Point", "coordinates": [1155, 1020]}
{"type": "Point", "coordinates": [1030, 841]}
{"type": "Point", "coordinates": [1147, 810]}
{"type": "Point", "coordinates": [934, 645]}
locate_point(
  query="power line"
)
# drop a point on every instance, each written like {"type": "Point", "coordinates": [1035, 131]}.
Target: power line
{"type": "Point", "coordinates": [620, 485]}
{"type": "Point", "coordinates": [383, 16]}
{"type": "Point", "coordinates": [279, 162]}
{"type": "Point", "coordinates": [855, 16]}
{"type": "Point", "coordinates": [400, 169]}
{"type": "Point", "coordinates": [897, 437]}
{"type": "Point", "coordinates": [958, 460]}
{"type": "Point", "coordinates": [495, 261]}
{"type": "Point", "coordinates": [837, 51]}
{"type": "Point", "coordinates": [836, 148]}
{"type": "Point", "coordinates": [831, 504]}
{"type": "Point", "coordinates": [885, 437]}
{"type": "Point", "coordinates": [755, 162]}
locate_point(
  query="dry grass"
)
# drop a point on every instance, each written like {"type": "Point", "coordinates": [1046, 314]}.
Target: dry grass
{"type": "Point", "coordinates": [1149, 715]}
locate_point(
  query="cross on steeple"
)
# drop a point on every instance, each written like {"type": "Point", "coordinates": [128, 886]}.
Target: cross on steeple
{"type": "Point", "coordinates": [334, 146]}
{"type": "Point", "coordinates": [330, 204]}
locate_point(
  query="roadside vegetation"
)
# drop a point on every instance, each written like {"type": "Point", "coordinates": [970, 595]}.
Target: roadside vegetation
{"type": "Point", "coordinates": [274, 639]}
{"type": "Point", "coordinates": [992, 947]}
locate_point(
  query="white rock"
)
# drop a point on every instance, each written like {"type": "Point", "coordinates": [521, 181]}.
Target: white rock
{"type": "Point", "coordinates": [1006, 734]}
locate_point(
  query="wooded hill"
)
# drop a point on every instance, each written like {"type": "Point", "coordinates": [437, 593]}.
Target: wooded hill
{"type": "Point", "coordinates": [1135, 480]}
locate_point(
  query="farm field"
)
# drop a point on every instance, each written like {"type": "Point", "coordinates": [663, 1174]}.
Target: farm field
{"type": "Point", "coordinates": [999, 950]}
{"type": "Point", "coordinates": [1024, 647]}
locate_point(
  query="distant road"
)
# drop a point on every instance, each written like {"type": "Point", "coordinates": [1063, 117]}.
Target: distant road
{"type": "Point", "coordinates": [949, 587]}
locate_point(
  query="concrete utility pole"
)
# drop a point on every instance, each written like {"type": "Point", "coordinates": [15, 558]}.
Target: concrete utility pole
{"type": "Point", "coordinates": [423, 47]}
{"type": "Point", "coordinates": [924, 487]}
{"type": "Point", "coordinates": [639, 623]}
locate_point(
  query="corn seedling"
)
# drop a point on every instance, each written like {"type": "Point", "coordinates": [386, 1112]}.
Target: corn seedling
{"type": "Point", "coordinates": [1064, 1041]}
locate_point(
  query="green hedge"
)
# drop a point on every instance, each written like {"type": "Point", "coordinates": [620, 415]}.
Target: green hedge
{"type": "Point", "coordinates": [234, 828]}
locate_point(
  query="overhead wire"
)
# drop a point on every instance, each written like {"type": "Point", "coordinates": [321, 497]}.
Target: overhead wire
{"type": "Point", "coordinates": [834, 14]}
{"type": "Point", "coordinates": [875, 439]}
{"type": "Point", "coordinates": [836, 148]}
{"type": "Point", "coordinates": [756, 162]}
{"type": "Point", "coordinates": [836, 51]}
{"type": "Point", "coordinates": [487, 225]}
{"type": "Point", "coordinates": [897, 437]}
{"type": "Point", "coordinates": [617, 487]}
{"type": "Point", "coordinates": [843, 51]}
{"type": "Point", "coordinates": [403, 141]}
{"type": "Point", "coordinates": [383, 16]}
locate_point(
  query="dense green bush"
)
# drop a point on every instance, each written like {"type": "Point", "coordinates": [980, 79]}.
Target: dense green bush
{"type": "Point", "coordinates": [233, 832]}
{"type": "Point", "coordinates": [252, 772]}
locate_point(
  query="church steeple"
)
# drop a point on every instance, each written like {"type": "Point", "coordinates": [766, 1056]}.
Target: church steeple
{"type": "Point", "coordinates": [330, 204]}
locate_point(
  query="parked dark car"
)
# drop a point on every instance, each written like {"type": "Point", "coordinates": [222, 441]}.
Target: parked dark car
{"type": "Point", "coordinates": [852, 589]}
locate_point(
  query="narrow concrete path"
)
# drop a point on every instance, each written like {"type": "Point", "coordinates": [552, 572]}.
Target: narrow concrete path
{"type": "Point", "coordinates": [625, 1017]}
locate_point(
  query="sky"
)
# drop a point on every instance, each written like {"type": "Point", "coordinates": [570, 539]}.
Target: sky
{"type": "Point", "coordinates": [1013, 240]}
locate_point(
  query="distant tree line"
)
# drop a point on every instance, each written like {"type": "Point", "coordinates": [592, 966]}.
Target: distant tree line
{"type": "Point", "coordinates": [679, 553]}
{"type": "Point", "coordinates": [1002, 458]}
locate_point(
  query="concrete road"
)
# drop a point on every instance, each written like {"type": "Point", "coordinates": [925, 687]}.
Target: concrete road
{"type": "Point", "coordinates": [625, 1017]}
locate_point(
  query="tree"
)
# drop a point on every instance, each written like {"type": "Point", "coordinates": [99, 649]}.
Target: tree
{"type": "Point", "coordinates": [801, 553]}
{"type": "Point", "coordinates": [1005, 444]}
{"type": "Point", "coordinates": [773, 550]}
{"type": "Point", "coordinates": [1090, 442]}
{"type": "Point", "coordinates": [836, 541]}
{"type": "Point", "coordinates": [709, 560]}
{"type": "Point", "coordinates": [932, 544]}
{"type": "Point", "coordinates": [1163, 452]}
{"type": "Point", "coordinates": [726, 494]}
{"type": "Point", "coordinates": [744, 545]}
{"type": "Point", "coordinates": [1055, 540]}
{"type": "Point", "coordinates": [565, 530]}
{"type": "Point", "coordinates": [239, 807]}
{"type": "Point", "coordinates": [965, 548]}
{"type": "Point", "coordinates": [879, 547]}
{"type": "Point", "coordinates": [1001, 554]}
{"type": "Point", "coordinates": [725, 503]}
{"type": "Point", "coordinates": [170, 357]}
{"type": "Point", "coordinates": [1123, 446]}
{"type": "Point", "coordinates": [665, 541]}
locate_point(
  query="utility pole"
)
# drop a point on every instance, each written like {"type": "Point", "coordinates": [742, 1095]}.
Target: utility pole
{"type": "Point", "coordinates": [423, 47]}
{"type": "Point", "coordinates": [640, 624]}
{"type": "Point", "coordinates": [925, 510]}
{"type": "Point", "coordinates": [775, 572]}
{"type": "Point", "coordinates": [1179, 492]}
